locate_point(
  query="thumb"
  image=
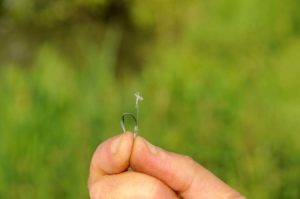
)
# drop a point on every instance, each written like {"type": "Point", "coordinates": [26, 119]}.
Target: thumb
{"type": "Point", "coordinates": [188, 178]}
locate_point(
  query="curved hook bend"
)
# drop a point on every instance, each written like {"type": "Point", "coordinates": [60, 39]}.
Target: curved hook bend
{"type": "Point", "coordinates": [135, 131]}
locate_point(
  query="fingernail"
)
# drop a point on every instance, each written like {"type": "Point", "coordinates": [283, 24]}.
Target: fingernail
{"type": "Point", "coordinates": [151, 147]}
{"type": "Point", "coordinates": [115, 143]}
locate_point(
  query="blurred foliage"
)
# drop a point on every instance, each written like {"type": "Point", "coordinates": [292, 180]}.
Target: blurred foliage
{"type": "Point", "coordinates": [220, 81]}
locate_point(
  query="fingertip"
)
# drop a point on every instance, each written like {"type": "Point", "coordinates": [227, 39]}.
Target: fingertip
{"type": "Point", "coordinates": [141, 154]}
{"type": "Point", "coordinates": [114, 155]}
{"type": "Point", "coordinates": [173, 169]}
{"type": "Point", "coordinates": [111, 157]}
{"type": "Point", "coordinates": [119, 157]}
{"type": "Point", "coordinates": [138, 145]}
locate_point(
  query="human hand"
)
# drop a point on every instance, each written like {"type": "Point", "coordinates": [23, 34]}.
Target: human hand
{"type": "Point", "coordinates": [156, 173]}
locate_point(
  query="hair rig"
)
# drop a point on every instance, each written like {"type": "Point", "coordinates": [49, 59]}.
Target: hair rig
{"type": "Point", "coordinates": [135, 117]}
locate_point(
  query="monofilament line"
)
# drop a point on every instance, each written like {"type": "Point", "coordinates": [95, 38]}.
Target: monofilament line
{"type": "Point", "coordinates": [138, 98]}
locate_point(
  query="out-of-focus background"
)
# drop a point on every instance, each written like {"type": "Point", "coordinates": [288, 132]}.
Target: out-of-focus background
{"type": "Point", "coordinates": [220, 81]}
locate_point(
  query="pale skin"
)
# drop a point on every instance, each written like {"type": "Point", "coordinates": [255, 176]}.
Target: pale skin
{"type": "Point", "coordinates": [155, 173]}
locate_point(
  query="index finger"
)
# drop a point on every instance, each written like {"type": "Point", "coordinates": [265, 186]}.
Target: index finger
{"type": "Point", "coordinates": [111, 157]}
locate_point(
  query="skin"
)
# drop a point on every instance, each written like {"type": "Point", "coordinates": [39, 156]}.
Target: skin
{"type": "Point", "coordinates": [154, 173]}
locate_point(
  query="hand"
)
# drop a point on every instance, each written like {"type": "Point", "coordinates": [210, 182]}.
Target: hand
{"type": "Point", "coordinates": [156, 173]}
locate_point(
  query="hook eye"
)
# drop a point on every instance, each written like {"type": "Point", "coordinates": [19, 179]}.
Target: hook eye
{"type": "Point", "coordinates": [132, 116]}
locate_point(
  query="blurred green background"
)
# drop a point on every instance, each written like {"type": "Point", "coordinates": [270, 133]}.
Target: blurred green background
{"type": "Point", "coordinates": [220, 81]}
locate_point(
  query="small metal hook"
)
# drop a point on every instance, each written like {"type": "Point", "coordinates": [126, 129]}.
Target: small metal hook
{"type": "Point", "coordinates": [135, 117]}
{"type": "Point", "coordinates": [135, 131]}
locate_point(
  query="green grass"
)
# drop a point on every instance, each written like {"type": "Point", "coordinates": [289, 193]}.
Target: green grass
{"type": "Point", "coordinates": [220, 82]}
